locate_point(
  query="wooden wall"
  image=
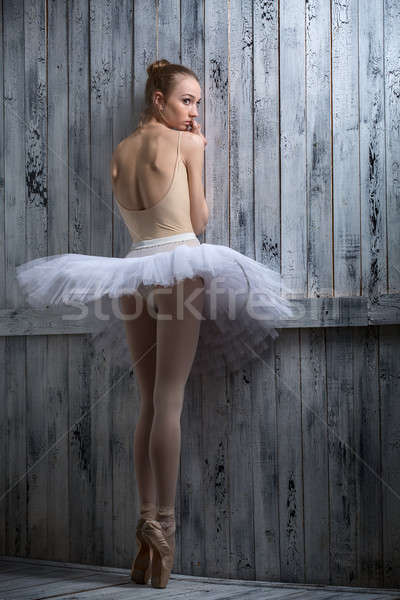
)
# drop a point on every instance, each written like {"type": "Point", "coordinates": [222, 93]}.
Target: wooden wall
{"type": "Point", "coordinates": [289, 468]}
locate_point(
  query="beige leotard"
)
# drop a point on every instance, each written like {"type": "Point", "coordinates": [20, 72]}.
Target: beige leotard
{"type": "Point", "coordinates": [170, 215]}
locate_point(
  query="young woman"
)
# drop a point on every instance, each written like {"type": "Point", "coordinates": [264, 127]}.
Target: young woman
{"type": "Point", "coordinates": [186, 307]}
{"type": "Point", "coordinates": [157, 182]}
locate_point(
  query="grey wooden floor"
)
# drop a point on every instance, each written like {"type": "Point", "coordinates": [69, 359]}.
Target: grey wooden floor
{"type": "Point", "coordinates": [26, 579]}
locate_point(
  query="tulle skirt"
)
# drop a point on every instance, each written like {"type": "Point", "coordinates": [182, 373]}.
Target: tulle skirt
{"type": "Point", "coordinates": [243, 299]}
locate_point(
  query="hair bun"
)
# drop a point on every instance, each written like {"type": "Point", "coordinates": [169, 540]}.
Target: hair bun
{"type": "Point", "coordinates": [156, 65]}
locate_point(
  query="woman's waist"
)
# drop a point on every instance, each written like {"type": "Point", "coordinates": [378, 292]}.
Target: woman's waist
{"type": "Point", "coordinates": [164, 242]}
{"type": "Point", "coordinates": [159, 230]}
{"type": "Point", "coordinates": [167, 239]}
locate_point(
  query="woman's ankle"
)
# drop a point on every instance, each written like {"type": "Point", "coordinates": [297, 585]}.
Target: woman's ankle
{"type": "Point", "coordinates": [166, 514]}
{"type": "Point", "coordinates": [148, 510]}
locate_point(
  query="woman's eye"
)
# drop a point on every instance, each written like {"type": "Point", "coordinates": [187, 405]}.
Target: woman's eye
{"type": "Point", "coordinates": [188, 99]}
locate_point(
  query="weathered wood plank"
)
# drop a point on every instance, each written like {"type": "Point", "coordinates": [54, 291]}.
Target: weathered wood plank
{"type": "Point", "coordinates": [145, 49]}
{"type": "Point", "coordinates": [123, 395]}
{"type": "Point", "coordinates": [216, 160]}
{"type": "Point", "coordinates": [367, 451]}
{"type": "Point", "coordinates": [346, 160]}
{"type": "Point", "coordinates": [294, 271]}
{"type": "Point", "coordinates": [216, 406]}
{"type": "Point", "coordinates": [60, 582]}
{"type": "Point", "coordinates": [262, 405]}
{"type": "Point", "coordinates": [30, 575]}
{"type": "Point", "coordinates": [181, 584]}
{"type": "Point", "coordinates": [318, 148]}
{"type": "Point", "coordinates": [372, 151]}
{"type": "Point", "coordinates": [191, 518]}
{"type": "Point", "coordinates": [101, 384]}
{"type": "Point", "coordinates": [262, 410]}
{"type": "Point", "coordinates": [57, 345]}
{"type": "Point", "coordinates": [216, 506]}
{"type": "Point", "coordinates": [15, 501]}
{"type": "Point", "coordinates": [315, 454]}
{"type": "Point", "coordinates": [36, 246]}
{"type": "Point", "coordinates": [242, 224]}
{"type": "Point", "coordinates": [3, 341]}
{"type": "Point", "coordinates": [389, 383]}
{"type": "Point", "coordinates": [391, 42]}
{"type": "Point", "coordinates": [4, 449]}
{"type": "Point", "coordinates": [266, 108]}
{"type": "Point", "coordinates": [81, 452]}
{"type": "Point", "coordinates": [52, 320]}
{"type": "Point", "coordinates": [124, 111]}
{"type": "Point", "coordinates": [289, 455]}
{"type": "Point", "coordinates": [190, 493]}
{"type": "Point", "coordinates": [356, 311]}
{"type": "Point", "coordinates": [168, 32]}
{"type": "Point", "coordinates": [320, 284]}
{"type": "Point", "coordinates": [241, 235]}
{"type": "Point", "coordinates": [385, 311]}
{"type": "Point", "coordinates": [343, 548]}
{"type": "Point", "coordinates": [293, 145]}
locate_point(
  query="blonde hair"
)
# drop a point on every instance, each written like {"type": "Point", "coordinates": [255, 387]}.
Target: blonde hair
{"type": "Point", "coordinates": [162, 77]}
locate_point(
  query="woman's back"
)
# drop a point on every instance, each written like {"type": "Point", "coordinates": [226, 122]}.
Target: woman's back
{"type": "Point", "coordinates": [150, 183]}
{"type": "Point", "coordinates": [144, 163]}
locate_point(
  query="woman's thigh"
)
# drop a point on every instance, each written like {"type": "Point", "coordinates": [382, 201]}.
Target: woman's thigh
{"type": "Point", "coordinates": [179, 314]}
{"type": "Point", "coordinates": [141, 331]}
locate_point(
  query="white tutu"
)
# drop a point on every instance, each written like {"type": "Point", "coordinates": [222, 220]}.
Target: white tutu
{"type": "Point", "coordinates": [242, 306]}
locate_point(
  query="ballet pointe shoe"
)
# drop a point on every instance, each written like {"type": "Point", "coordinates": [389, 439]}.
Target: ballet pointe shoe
{"type": "Point", "coordinates": [142, 564]}
{"type": "Point", "coordinates": [161, 537]}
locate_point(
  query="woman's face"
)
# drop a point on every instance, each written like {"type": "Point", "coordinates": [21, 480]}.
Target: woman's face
{"type": "Point", "coordinates": [182, 105]}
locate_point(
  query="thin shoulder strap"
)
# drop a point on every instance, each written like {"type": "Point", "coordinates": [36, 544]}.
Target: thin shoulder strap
{"type": "Point", "coordinates": [179, 146]}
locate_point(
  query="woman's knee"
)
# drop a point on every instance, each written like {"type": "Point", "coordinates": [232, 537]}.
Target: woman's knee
{"type": "Point", "coordinates": [168, 395]}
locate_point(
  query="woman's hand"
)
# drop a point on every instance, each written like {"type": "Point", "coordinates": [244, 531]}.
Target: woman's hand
{"type": "Point", "coordinates": [196, 130]}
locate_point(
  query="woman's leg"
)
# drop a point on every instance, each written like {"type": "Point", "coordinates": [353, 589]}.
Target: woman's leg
{"type": "Point", "coordinates": [178, 330]}
{"type": "Point", "coordinates": [141, 335]}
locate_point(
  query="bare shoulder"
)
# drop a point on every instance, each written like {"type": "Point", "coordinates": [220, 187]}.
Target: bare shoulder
{"type": "Point", "coordinates": [118, 148]}
{"type": "Point", "coordinates": [191, 146]}
{"type": "Point", "coordinates": [125, 145]}
{"type": "Point", "coordinates": [117, 156]}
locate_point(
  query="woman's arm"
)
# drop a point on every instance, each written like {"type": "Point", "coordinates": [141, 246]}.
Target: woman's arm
{"type": "Point", "coordinates": [193, 157]}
